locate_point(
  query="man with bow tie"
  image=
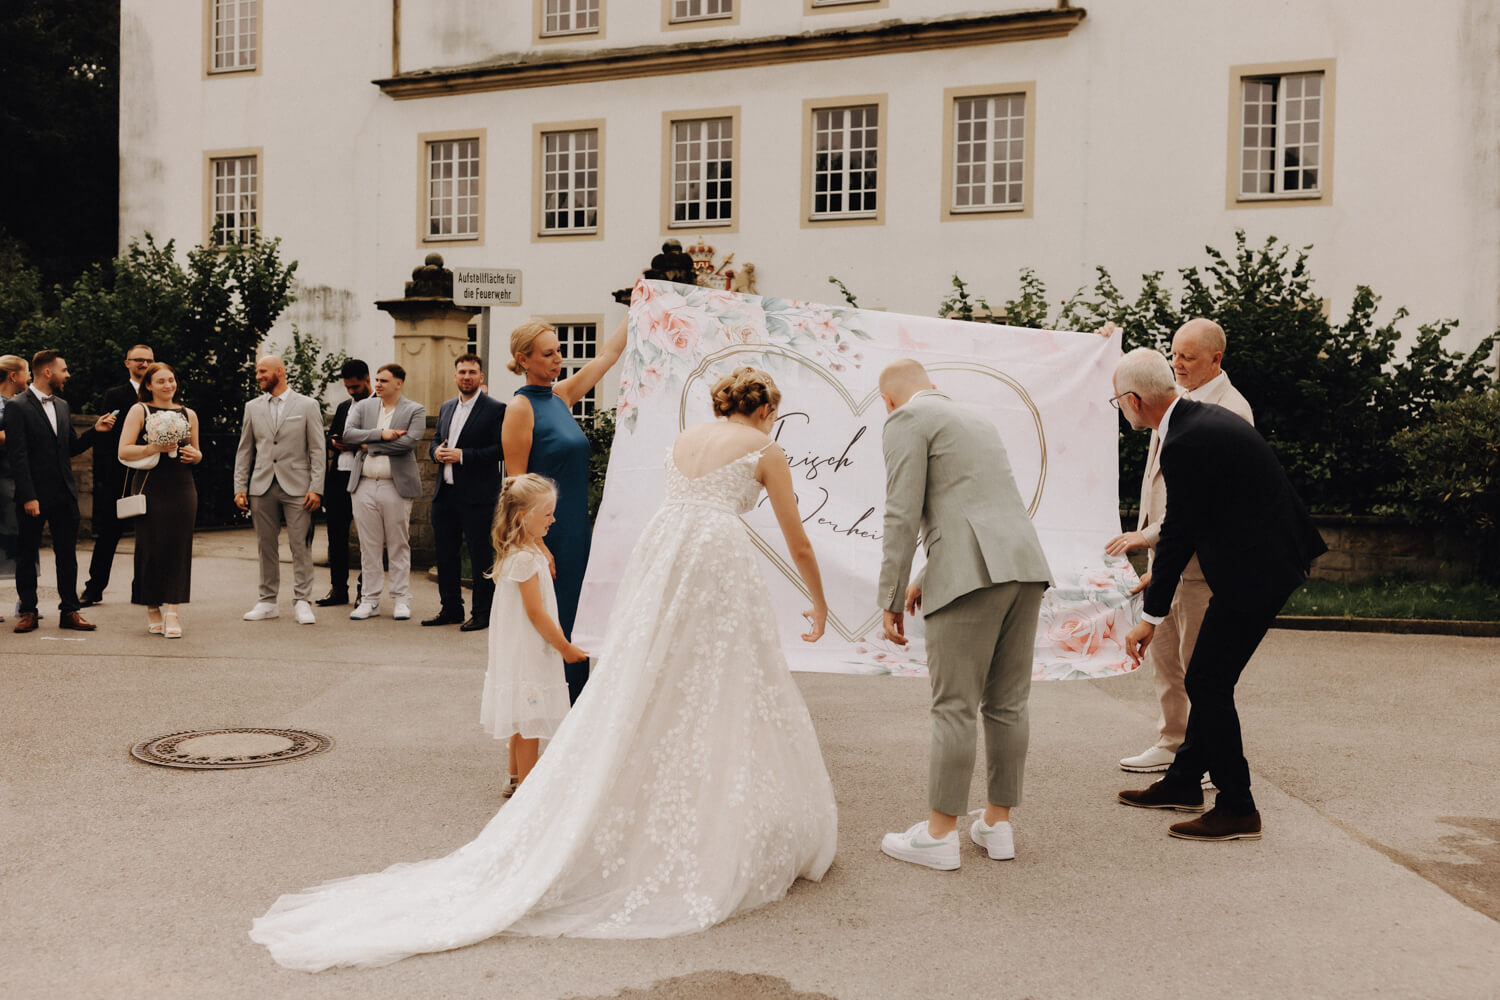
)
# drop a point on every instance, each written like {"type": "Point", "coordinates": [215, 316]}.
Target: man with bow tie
{"type": "Point", "coordinates": [41, 442]}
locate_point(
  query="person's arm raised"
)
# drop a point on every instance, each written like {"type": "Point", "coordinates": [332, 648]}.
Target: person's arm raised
{"type": "Point", "coordinates": [576, 386]}
{"type": "Point", "coordinates": [774, 475]}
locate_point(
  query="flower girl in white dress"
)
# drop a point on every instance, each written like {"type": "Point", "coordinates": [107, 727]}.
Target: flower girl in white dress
{"type": "Point", "coordinates": [685, 785]}
{"type": "Point", "coordinates": [525, 687]}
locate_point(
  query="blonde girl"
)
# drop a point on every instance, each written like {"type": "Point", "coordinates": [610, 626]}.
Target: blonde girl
{"type": "Point", "coordinates": [525, 688]}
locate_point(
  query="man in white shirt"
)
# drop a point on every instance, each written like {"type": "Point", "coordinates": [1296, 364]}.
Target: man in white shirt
{"type": "Point", "coordinates": [1197, 354]}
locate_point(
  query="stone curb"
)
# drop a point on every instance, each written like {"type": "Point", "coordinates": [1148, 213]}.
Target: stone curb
{"type": "Point", "coordinates": [1398, 626]}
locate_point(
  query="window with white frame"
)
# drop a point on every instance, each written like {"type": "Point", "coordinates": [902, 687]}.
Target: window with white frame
{"type": "Point", "coordinates": [845, 171]}
{"type": "Point", "coordinates": [569, 17]}
{"type": "Point", "coordinates": [1281, 136]}
{"type": "Point", "coordinates": [236, 35]}
{"type": "Point", "coordinates": [570, 181]}
{"type": "Point", "coordinates": [452, 189]}
{"type": "Point", "coordinates": [701, 10]}
{"type": "Point", "coordinates": [236, 199]}
{"type": "Point", "coordinates": [989, 153]}
{"type": "Point", "coordinates": [578, 343]}
{"type": "Point", "coordinates": [702, 172]}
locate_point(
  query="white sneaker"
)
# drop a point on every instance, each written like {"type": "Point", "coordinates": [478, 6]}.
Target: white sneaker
{"type": "Point", "coordinates": [999, 840]}
{"type": "Point", "coordinates": [920, 848]}
{"type": "Point", "coordinates": [262, 611]}
{"type": "Point", "coordinates": [365, 610]}
{"type": "Point", "coordinates": [304, 613]}
{"type": "Point", "coordinates": [1153, 759]}
{"type": "Point", "coordinates": [403, 611]}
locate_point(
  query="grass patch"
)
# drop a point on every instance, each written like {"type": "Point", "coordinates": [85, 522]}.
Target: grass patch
{"type": "Point", "coordinates": [1397, 598]}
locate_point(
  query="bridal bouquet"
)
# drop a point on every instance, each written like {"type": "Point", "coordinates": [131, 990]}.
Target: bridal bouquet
{"type": "Point", "coordinates": [167, 427]}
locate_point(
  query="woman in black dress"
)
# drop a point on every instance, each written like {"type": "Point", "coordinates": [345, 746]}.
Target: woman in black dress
{"type": "Point", "coordinates": [164, 534]}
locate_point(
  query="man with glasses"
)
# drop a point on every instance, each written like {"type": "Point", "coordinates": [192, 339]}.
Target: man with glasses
{"type": "Point", "coordinates": [109, 475]}
{"type": "Point", "coordinates": [1197, 353]}
{"type": "Point", "coordinates": [1234, 509]}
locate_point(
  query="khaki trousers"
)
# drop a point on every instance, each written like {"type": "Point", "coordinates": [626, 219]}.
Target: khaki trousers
{"type": "Point", "coordinates": [1170, 650]}
{"type": "Point", "coordinates": [979, 654]}
{"type": "Point", "coordinates": [266, 513]}
{"type": "Point", "coordinates": [383, 519]}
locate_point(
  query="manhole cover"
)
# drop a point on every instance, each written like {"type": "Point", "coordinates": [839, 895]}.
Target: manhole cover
{"type": "Point", "coordinates": [221, 749]}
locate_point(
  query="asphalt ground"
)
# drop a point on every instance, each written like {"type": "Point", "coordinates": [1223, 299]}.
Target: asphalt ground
{"type": "Point", "coordinates": [1373, 758]}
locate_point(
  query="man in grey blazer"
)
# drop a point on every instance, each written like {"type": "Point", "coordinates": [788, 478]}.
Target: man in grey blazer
{"type": "Point", "coordinates": [1197, 353]}
{"type": "Point", "coordinates": [278, 472]}
{"type": "Point", "coordinates": [947, 475]}
{"type": "Point", "coordinates": [384, 481]}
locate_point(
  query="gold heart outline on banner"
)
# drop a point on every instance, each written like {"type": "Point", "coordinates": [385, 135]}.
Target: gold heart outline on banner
{"type": "Point", "coordinates": [857, 408]}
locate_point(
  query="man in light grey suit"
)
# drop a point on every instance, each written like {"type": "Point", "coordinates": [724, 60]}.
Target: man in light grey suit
{"type": "Point", "coordinates": [1197, 353]}
{"type": "Point", "coordinates": [278, 472]}
{"type": "Point", "coordinates": [385, 480]}
{"type": "Point", "coordinates": [948, 475]}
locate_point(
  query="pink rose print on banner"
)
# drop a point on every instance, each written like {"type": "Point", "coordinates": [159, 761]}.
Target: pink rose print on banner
{"type": "Point", "coordinates": [1076, 632]}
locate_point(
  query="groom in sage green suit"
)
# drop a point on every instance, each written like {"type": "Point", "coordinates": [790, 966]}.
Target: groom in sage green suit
{"type": "Point", "coordinates": [947, 475]}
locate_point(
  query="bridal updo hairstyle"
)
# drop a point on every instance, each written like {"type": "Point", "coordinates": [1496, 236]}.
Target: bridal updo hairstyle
{"type": "Point", "coordinates": [744, 391]}
{"type": "Point", "coordinates": [521, 340]}
{"type": "Point", "coordinates": [518, 494]}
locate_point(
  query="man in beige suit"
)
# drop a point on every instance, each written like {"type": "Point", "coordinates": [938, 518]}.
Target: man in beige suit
{"type": "Point", "coordinates": [1197, 352]}
{"type": "Point", "coordinates": [278, 471]}
{"type": "Point", "coordinates": [947, 475]}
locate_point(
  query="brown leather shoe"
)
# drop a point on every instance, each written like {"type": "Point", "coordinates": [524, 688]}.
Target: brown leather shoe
{"type": "Point", "coordinates": [1163, 796]}
{"type": "Point", "coordinates": [74, 621]}
{"type": "Point", "coordinates": [26, 622]}
{"type": "Point", "coordinates": [1216, 824]}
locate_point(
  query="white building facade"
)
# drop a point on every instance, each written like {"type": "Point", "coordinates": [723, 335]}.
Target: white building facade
{"type": "Point", "coordinates": [889, 143]}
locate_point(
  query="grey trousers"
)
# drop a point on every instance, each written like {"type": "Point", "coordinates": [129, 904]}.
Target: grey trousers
{"type": "Point", "coordinates": [979, 654]}
{"type": "Point", "coordinates": [383, 518]}
{"type": "Point", "coordinates": [266, 513]}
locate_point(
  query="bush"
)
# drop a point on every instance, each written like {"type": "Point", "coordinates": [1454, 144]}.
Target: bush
{"type": "Point", "coordinates": [601, 434]}
{"type": "Point", "coordinates": [308, 371]}
{"type": "Point", "coordinates": [1449, 473]}
{"type": "Point", "coordinates": [205, 319]}
{"type": "Point", "coordinates": [1328, 398]}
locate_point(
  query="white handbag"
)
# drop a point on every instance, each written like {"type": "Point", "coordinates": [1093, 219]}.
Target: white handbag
{"type": "Point", "coordinates": [132, 504]}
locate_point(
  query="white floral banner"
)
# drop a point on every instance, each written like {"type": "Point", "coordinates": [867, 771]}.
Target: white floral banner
{"type": "Point", "coordinates": [1047, 393]}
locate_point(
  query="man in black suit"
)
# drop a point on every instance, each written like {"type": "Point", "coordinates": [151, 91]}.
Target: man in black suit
{"type": "Point", "coordinates": [1229, 502]}
{"type": "Point", "coordinates": [109, 475]}
{"type": "Point", "coordinates": [337, 505]}
{"type": "Point", "coordinates": [41, 443]}
{"type": "Point", "coordinates": [467, 448]}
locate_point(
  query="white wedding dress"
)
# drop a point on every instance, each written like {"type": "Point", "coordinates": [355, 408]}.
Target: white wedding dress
{"type": "Point", "coordinates": [686, 785]}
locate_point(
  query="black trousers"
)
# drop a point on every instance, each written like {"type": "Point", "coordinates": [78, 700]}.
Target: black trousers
{"type": "Point", "coordinates": [1229, 636]}
{"type": "Point", "coordinates": [61, 516]}
{"type": "Point", "coordinates": [338, 512]}
{"type": "Point", "coordinates": [453, 524]}
{"type": "Point", "coordinates": [107, 532]}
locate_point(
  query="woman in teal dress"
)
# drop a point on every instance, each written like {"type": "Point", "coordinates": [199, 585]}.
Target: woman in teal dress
{"type": "Point", "coordinates": [541, 435]}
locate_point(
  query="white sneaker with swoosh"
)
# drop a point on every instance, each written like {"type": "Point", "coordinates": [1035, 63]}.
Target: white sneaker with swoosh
{"type": "Point", "coordinates": [919, 847]}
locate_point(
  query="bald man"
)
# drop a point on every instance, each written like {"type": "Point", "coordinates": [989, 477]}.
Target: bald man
{"type": "Point", "coordinates": [1197, 357]}
{"type": "Point", "coordinates": [278, 473]}
{"type": "Point", "coordinates": [948, 476]}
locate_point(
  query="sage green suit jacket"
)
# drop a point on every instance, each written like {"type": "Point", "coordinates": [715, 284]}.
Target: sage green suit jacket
{"type": "Point", "coordinates": [948, 477]}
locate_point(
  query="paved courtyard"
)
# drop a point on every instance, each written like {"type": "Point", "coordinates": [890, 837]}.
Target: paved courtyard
{"type": "Point", "coordinates": [1373, 759]}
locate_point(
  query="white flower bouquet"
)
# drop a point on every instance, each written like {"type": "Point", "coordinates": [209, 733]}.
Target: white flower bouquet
{"type": "Point", "coordinates": [167, 427]}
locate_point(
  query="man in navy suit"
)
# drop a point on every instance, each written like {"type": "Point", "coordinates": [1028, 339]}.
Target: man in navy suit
{"type": "Point", "coordinates": [41, 443]}
{"type": "Point", "coordinates": [467, 449]}
{"type": "Point", "coordinates": [1229, 502]}
{"type": "Point", "coordinates": [109, 475]}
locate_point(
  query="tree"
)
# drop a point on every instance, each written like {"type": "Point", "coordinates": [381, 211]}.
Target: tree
{"type": "Point", "coordinates": [206, 319]}
{"type": "Point", "coordinates": [59, 127]}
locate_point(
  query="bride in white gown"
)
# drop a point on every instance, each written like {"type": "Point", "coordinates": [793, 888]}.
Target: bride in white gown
{"type": "Point", "coordinates": [685, 786]}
